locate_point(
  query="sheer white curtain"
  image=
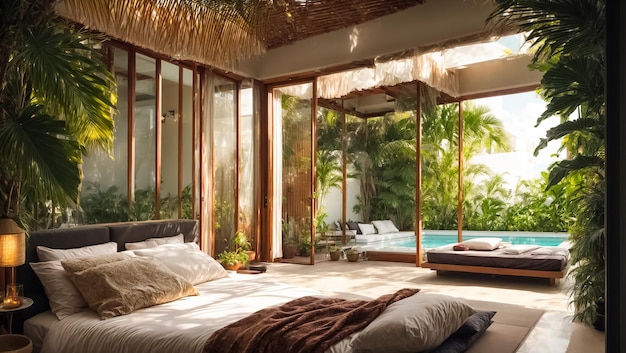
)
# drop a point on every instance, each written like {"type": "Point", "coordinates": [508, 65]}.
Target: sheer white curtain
{"type": "Point", "coordinates": [277, 177]}
{"type": "Point", "coordinates": [206, 174]}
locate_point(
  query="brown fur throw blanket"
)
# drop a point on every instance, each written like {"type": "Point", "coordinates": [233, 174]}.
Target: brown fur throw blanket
{"type": "Point", "coordinates": [304, 325]}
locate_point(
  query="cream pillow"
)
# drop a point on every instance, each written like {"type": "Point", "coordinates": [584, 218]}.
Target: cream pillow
{"type": "Point", "coordinates": [391, 228]}
{"type": "Point", "coordinates": [381, 227]}
{"type": "Point", "coordinates": [63, 296]}
{"type": "Point", "coordinates": [121, 287]}
{"type": "Point", "coordinates": [49, 254]}
{"type": "Point", "coordinates": [187, 261]}
{"type": "Point", "coordinates": [153, 242]}
{"type": "Point", "coordinates": [482, 243]}
{"type": "Point", "coordinates": [418, 323]}
{"type": "Point", "coordinates": [367, 229]}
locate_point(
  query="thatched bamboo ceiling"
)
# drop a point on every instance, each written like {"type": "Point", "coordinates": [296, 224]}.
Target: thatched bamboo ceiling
{"type": "Point", "coordinates": [219, 33]}
{"type": "Point", "coordinates": [293, 20]}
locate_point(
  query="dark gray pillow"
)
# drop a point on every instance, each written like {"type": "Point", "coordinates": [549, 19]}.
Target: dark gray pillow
{"type": "Point", "coordinates": [354, 226]}
{"type": "Point", "coordinates": [467, 334]}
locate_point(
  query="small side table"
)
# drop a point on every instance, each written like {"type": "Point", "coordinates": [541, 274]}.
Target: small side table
{"type": "Point", "coordinates": [25, 304]}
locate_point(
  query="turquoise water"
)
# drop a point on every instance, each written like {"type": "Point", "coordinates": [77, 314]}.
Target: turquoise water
{"type": "Point", "coordinates": [435, 240]}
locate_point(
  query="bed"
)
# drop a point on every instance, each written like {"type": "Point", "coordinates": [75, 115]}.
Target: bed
{"type": "Point", "coordinates": [215, 304]}
{"type": "Point", "coordinates": [493, 258]}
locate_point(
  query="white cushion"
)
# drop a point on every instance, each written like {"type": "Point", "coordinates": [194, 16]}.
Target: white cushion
{"type": "Point", "coordinates": [391, 228]}
{"type": "Point", "coordinates": [63, 296]}
{"type": "Point", "coordinates": [418, 323]}
{"type": "Point", "coordinates": [380, 227]}
{"type": "Point", "coordinates": [48, 254]}
{"type": "Point", "coordinates": [520, 249]}
{"type": "Point", "coordinates": [385, 226]}
{"type": "Point", "coordinates": [482, 243]}
{"type": "Point", "coordinates": [153, 242]}
{"type": "Point", "coordinates": [187, 261]}
{"type": "Point", "coordinates": [367, 229]}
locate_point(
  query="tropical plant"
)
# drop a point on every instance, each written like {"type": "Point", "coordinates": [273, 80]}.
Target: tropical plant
{"type": "Point", "coordinates": [569, 37]}
{"type": "Point", "coordinates": [56, 96]}
{"type": "Point", "coordinates": [103, 206]}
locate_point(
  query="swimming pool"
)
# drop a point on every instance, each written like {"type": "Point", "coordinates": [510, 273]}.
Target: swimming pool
{"type": "Point", "coordinates": [432, 239]}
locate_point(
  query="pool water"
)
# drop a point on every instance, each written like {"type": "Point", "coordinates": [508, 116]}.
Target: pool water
{"type": "Point", "coordinates": [430, 241]}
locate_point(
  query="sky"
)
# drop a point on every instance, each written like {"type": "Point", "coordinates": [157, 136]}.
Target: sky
{"type": "Point", "coordinates": [519, 113]}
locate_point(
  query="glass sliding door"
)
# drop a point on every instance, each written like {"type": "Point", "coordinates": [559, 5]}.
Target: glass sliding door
{"type": "Point", "coordinates": [248, 163]}
{"type": "Point", "coordinates": [104, 196]}
{"type": "Point", "coordinates": [293, 171]}
{"type": "Point", "coordinates": [170, 118]}
{"type": "Point", "coordinates": [143, 200]}
{"type": "Point", "coordinates": [224, 142]}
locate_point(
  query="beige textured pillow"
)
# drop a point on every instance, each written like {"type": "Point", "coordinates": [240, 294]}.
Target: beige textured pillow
{"type": "Point", "coordinates": [82, 263]}
{"type": "Point", "coordinates": [418, 323]}
{"type": "Point", "coordinates": [119, 288]}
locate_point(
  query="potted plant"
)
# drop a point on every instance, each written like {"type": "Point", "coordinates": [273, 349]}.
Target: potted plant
{"type": "Point", "coordinates": [233, 259]}
{"type": "Point", "coordinates": [242, 242]}
{"type": "Point", "coordinates": [335, 253]}
{"type": "Point", "coordinates": [352, 254]}
{"type": "Point", "coordinates": [290, 245]}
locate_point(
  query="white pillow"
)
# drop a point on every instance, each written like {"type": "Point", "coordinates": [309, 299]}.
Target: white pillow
{"type": "Point", "coordinates": [63, 296]}
{"type": "Point", "coordinates": [153, 242]}
{"type": "Point", "coordinates": [48, 254]}
{"type": "Point", "coordinates": [482, 243]}
{"type": "Point", "coordinates": [381, 227]}
{"type": "Point", "coordinates": [187, 261]}
{"type": "Point", "coordinates": [367, 229]}
{"type": "Point", "coordinates": [391, 228]}
{"type": "Point", "coordinates": [418, 323]}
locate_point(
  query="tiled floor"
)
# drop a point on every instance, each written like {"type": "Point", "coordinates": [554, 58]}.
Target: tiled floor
{"type": "Point", "coordinates": [555, 332]}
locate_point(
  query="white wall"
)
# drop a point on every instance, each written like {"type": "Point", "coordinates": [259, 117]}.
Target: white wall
{"type": "Point", "coordinates": [332, 203]}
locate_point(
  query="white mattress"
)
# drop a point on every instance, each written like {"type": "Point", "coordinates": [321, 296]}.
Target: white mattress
{"type": "Point", "coordinates": [369, 238]}
{"type": "Point", "coordinates": [180, 326]}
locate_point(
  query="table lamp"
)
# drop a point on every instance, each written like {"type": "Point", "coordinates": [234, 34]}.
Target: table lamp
{"type": "Point", "coordinates": [12, 254]}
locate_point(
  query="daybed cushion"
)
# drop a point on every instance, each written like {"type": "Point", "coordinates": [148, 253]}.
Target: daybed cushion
{"type": "Point", "coordinates": [121, 287]}
{"type": "Point", "coordinates": [385, 226]}
{"type": "Point", "coordinates": [482, 243]}
{"type": "Point", "coordinates": [49, 254]}
{"type": "Point", "coordinates": [63, 296]}
{"type": "Point", "coordinates": [467, 334]}
{"type": "Point", "coordinates": [153, 242]}
{"type": "Point", "coordinates": [520, 249]}
{"type": "Point", "coordinates": [418, 323]}
{"type": "Point", "coordinates": [367, 228]}
{"type": "Point", "coordinates": [187, 261]}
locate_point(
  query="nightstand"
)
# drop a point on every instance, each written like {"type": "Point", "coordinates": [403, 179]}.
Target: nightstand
{"type": "Point", "coordinates": [27, 302]}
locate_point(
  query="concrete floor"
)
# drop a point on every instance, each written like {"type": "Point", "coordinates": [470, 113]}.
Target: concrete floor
{"type": "Point", "coordinates": [555, 332]}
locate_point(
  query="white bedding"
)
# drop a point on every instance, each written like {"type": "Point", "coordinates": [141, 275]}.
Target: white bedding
{"type": "Point", "coordinates": [180, 326]}
{"type": "Point", "coordinates": [368, 238]}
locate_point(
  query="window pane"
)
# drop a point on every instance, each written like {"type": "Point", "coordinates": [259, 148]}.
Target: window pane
{"type": "Point", "coordinates": [143, 206]}
{"type": "Point", "coordinates": [104, 192]}
{"type": "Point", "coordinates": [169, 141]}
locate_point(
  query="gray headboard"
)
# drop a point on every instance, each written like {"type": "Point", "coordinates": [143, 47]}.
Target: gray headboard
{"type": "Point", "coordinates": [76, 237]}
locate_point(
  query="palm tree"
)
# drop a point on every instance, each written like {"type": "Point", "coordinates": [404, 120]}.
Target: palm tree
{"type": "Point", "coordinates": [56, 97]}
{"type": "Point", "coordinates": [569, 38]}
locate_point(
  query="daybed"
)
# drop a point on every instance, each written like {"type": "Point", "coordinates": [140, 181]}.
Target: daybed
{"type": "Point", "coordinates": [528, 261]}
{"type": "Point", "coordinates": [207, 315]}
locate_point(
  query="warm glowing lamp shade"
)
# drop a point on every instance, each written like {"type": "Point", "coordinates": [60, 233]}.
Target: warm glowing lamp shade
{"type": "Point", "coordinates": [12, 244]}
